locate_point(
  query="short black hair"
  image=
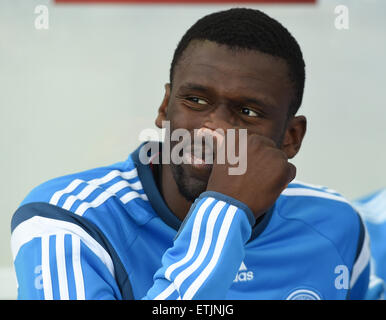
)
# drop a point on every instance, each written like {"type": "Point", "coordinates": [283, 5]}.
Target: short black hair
{"type": "Point", "coordinates": [245, 28]}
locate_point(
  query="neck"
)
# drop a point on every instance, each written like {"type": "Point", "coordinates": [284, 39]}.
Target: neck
{"type": "Point", "coordinates": [169, 191]}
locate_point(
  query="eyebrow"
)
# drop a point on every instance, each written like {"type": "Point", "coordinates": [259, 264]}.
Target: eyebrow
{"type": "Point", "coordinates": [194, 86]}
{"type": "Point", "coordinates": [257, 101]}
{"type": "Point", "coordinates": [260, 102]}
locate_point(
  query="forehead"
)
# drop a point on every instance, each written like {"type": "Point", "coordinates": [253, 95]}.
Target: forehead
{"type": "Point", "coordinates": [234, 72]}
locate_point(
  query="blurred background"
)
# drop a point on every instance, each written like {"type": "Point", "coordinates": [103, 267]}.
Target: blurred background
{"type": "Point", "coordinates": [75, 92]}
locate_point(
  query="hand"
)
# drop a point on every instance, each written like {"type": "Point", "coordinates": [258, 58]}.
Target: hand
{"type": "Point", "coordinates": [267, 174]}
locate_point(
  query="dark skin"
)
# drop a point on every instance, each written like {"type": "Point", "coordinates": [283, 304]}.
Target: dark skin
{"type": "Point", "coordinates": [216, 87]}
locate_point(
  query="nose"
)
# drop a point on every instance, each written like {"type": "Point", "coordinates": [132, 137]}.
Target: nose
{"type": "Point", "coordinates": [221, 118]}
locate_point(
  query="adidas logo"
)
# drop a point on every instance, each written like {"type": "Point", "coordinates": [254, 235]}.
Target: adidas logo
{"type": "Point", "coordinates": [243, 274]}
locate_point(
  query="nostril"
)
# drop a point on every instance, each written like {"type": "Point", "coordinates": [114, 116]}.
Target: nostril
{"type": "Point", "coordinates": [217, 134]}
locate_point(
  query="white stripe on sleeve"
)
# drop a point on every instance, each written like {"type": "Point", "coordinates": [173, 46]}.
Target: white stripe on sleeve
{"type": "Point", "coordinates": [61, 266]}
{"type": "Point", "coordinates": [208, 237]}
{"type": "Point", "coordinates": [71, 187]}
{"type": "Point", "coordinates": [185, 273]}
{"type": "Point", "coordinates": [197, 283]}
{"type": "Point", "coordinates": [193, 240]}
{"type": "Point", "coordinates": [362, 261]}
{"type": "Point", "coordinates": [312, 193]}
{"type": "Point", "coordinates": [46, 271]}
{"type": "Point", "coordinates": [38, 226]}
{"type": "Point", "coordinates": [92, 185]}
{"type": "Point", "coordinates": [78, 273]}
{"type": "Point", "coordinates": [166, 293]}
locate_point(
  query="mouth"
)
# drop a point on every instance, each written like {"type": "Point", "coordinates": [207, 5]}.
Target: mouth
{"type": "Point", "coordinates": [198, 153]}
{"type": "Point", "coordinates": [198, 156]}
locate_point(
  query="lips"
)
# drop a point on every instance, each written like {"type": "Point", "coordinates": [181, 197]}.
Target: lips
{"type": "Point", "coordinates": [198, 154]}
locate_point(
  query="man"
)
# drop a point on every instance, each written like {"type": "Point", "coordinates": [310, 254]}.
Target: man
{"type": "Point", "coordinates": [192, 230]}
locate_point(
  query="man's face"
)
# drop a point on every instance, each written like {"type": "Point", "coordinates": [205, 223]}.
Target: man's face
{"type": "Point", "coordinates": [216, 87]}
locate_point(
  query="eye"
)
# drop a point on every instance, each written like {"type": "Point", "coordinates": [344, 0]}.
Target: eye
{"type": "Point", "coordinates": [197, 100]}
{"type": "Point", "coordinates": [249, 112]}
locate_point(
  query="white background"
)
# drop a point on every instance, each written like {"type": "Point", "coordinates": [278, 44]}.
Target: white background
{"type": "Point", "coordinates": [76, 96]}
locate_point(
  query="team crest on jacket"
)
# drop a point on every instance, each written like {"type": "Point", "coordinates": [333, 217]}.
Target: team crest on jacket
{"type": "Point", "coordinates": [303, 294]}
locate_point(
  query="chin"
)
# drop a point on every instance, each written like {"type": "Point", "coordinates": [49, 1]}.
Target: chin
{"type": "Point", "coordinates": [189, 183]}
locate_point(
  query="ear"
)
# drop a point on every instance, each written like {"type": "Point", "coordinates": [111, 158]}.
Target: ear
{"type": "Point", "coordinates": [294, 134]}
{"type": "Point", "coordinates": [163, 109]}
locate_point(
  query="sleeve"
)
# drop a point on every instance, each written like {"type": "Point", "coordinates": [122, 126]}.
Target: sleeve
{"type": "Point", "coordinates": [364, 283]}
{"type": "Point", "coordinates": [207, 251]}
{"type": "Point", "coordinates": [56, 259]}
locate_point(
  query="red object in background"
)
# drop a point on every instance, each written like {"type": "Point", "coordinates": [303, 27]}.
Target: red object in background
{"type": "Point", "coordinates": [187, 1]}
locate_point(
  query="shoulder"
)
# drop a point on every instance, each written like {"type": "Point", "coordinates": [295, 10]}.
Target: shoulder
{"type": "Point", "coordinates": [314, 201]}
{"type": "Point", "coordinates": [85, 193]}
{"type": "Point", "coordinates": [372, 207]}
{"type": "Point", "coordinates": [87, 216]}
{"type": "Point", "coordinates": [99, 200]}
{"type": "Point", "coordinates": [327, 213]}
{"type": "Point", "coordinates": [54, 191]}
